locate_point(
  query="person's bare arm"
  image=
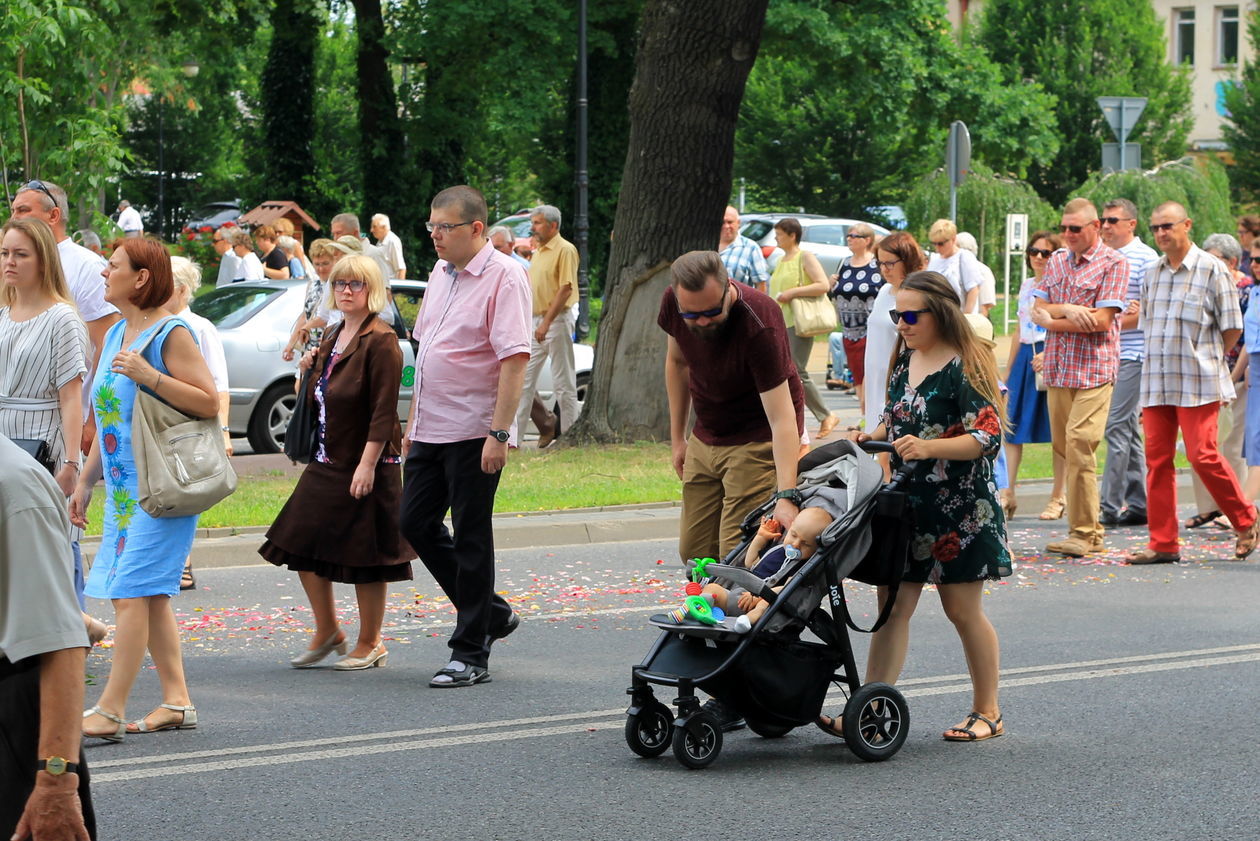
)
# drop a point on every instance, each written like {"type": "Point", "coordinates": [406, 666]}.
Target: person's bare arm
{"type": "Point", "coordinates": [1231, 338]}
{"type": "Point", "coordinates": [1129, 318]}
{"type": "Point", "coordinates": [400, 274]}
{"type": "Point", "coordinates": [818, 283]}
{"type": "Point", "coordinates": [70, 400]}
{"type": "Point", "coordinates": [189, 387]}
{"type": "Point", "coordinates": [507, 399]}
{"type": "Point", "coordinates": [1072, 318]}
{"type": "Point", "coordinates": [53, 810]}
{"type": "Point", "coordinates": [225, 407]}
{"type": "Point", "coordinates": [558, 303]}
{"type": "Point", "coordinates": [96, 332]}
{"type": "Point", "coordinates": [972, 300]}
{"type": "Point", "coordinates": [676, 375]}
{"type": "Point", "coordinates": [786, 446]}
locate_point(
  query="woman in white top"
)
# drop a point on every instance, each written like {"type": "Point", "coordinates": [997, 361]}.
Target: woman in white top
{"type": "Point", "coordinates": [43, 348]}
{"type": "Point", "coordinates": [961, 268]}
{"type": "Point", "coordinates": [250, 267]}
{"type": "Point", "coordinates": [898, 255]}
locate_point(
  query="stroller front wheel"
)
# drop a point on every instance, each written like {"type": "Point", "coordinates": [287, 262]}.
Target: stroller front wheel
{"type": "Point", "coordinates": [698, 740]}
{"type": "Point", "coordinates": [648, 731]}
{"type": "Point", "coordinates": [876, 722]}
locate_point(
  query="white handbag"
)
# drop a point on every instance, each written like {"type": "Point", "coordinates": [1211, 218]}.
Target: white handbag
{"type": "Point", "coordinates": [182, 466]}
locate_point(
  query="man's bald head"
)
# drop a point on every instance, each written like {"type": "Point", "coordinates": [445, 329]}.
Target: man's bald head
{"type": "Point", "coordinates": [730, 227]}
{"type": "Point", "coordinates": [1081, 207]}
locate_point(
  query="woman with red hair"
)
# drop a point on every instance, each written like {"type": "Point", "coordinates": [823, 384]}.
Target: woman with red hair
{"type": "Point", "coordinates": [141, 557]}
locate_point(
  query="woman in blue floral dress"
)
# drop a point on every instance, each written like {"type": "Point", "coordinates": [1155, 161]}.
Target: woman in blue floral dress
{"type": "Point", "coordinates": [141, 557]}
{"type": "Point", "coordinates": [944, 412]}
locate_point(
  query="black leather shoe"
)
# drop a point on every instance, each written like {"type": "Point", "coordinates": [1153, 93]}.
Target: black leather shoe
{"type": "Point", "coordinates": [727, 718]}
{"type": "Point", "coordinates": [504, 630]}
{"type": "Point", "coordinates": [1108, 520]}
{"type": "Point", "coordinates": [1132, 518]}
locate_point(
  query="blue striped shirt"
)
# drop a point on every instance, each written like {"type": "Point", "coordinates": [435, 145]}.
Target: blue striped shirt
{"type": "Point", "coordinates": [744, 262]}
{"type": "Point", "coordinates": [1140, 257]}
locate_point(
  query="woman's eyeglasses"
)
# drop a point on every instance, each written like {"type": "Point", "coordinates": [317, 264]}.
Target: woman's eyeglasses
{"type": "Point", "coordinates": [910, 317]}
{"type": "Point", "coordinates": [352, 285]}
{"type": "Point", "coordinates": [1040, 252]}
{"type": "Point", "coordinates": [884, 264]}
{"type": "Point", "coordinates": [851, 235]}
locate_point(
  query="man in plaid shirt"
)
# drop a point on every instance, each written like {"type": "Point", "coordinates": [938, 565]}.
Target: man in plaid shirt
{"type": "Point", "coordinates": [742, 257]}
{"type": "Point", "coordinates": [1081, 293]}
{"type": "Point", "coordinates": [1190, 315]}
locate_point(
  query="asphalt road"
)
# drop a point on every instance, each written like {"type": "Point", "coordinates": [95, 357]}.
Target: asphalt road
{"type": "Point", "coordinates": [1129, 696]}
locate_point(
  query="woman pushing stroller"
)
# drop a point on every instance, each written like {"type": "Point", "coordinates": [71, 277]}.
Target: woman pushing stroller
{"type": "Point", "coordinates": [944, 411]}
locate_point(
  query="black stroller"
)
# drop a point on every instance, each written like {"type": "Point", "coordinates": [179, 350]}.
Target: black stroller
{"type": "Point", "coordinates": [774, 679]}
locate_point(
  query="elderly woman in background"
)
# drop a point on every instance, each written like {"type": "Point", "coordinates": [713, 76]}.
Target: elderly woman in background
{"type": "Point", "coordinates": [1231, 423]}
{"type": "Point", "coordinates": [141, 557]}
{"type": "Point", "coordinates": [353, 484]}
{"type": "Point", "coordinates": [961, 268]}
{"type": "Point", "coordinates": [187, 277]}
{"type": "Point", "coordinates": [798, 274]}
{"type": "Point", "coordinates": [1029, 411]}
{"type": "Point", "coordinates": [316, 314]}
{"type": "Point", "coordinates": [249, 267]}
{"type": "Point", "coordinates": [897, 257]}
{"type": "Point", "coordinates": [988, 283]}
{"type": "Point", "coordinates": [289, 246]}
{"type": "Point", "coordinates": [855, 287]}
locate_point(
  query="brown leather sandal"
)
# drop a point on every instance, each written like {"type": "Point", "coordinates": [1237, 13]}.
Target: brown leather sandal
{"type": "Point", "coordinates": [1054, 508]}
{"type": "Point", "coordinates": [995, 729]}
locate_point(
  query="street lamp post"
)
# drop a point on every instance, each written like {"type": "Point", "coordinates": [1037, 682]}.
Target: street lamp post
{"type": "Point", "coordinates": [583, 183]}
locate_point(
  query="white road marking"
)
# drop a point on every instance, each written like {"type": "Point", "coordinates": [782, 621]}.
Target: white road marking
{"type": "Point", "coordinates": [402, 740]}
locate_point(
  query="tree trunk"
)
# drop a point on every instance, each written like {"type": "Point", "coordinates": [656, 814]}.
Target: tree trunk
{"type": "Point", "coordinates": [692, 62]}
{"type": "Point", "coordinates": [380, 131]}
{"type": "Point", "coordinates": [288, 87]}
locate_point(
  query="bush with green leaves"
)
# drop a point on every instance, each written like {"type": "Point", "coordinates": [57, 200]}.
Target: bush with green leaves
{"type": "Point", "coordinates": [1199, 183]}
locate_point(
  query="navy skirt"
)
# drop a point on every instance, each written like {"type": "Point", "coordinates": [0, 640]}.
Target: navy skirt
{"type": "Point", "coordinates": [1029, 413]}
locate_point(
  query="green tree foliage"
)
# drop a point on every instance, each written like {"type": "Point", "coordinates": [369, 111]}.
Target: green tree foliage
{"type": "Point", "coordinates": [1242, 129]}
{"type": "Point", "coordinates": [1080, 50]}
{"type": "Point", "coordinates": [850, 103]}
{"type": "Point", "coordinates": [1199, 183]}
{"type": "Point", "coordinates": [984, 200]}
{"type": "Point", "coordinates": [287, 94]}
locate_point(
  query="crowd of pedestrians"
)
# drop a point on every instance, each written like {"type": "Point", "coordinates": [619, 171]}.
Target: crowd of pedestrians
{"type": "Point", "coordinates": [1115, 341]}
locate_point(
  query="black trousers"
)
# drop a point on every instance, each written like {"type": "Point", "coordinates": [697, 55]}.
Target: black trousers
{"type": "Point", "coordinates": [19, 745]}
{"type": "Point", "coordinates": [438, 477]}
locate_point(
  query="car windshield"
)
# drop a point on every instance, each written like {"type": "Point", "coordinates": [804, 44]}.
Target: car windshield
{"type": "Point", "coordinates": [232, 306]}
{"type": "Point", "coordinates": [408, 302]}
{"type": "Point", "coordinates": [756, 229]}
{"type": "Point", "coordinates": [828, 234]}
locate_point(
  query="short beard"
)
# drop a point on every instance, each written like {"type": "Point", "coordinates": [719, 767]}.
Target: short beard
{"type": "Point", "coordinates": [709, 332]}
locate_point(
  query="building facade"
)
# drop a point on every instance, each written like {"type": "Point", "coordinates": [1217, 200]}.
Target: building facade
{"type": "Point", "coordinates": [1209, 36]}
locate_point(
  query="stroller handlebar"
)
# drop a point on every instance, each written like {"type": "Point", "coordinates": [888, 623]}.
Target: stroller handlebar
{"type": "Point", "coordinates": [902, 473]}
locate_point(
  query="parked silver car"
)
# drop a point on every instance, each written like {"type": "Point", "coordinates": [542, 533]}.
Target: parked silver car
{"type": "Point", "coordinates": [824, 236]}
{"type": "Point", "coordinates": [409, 294]}
{"type": "Point", "coordinates": [255, 320]}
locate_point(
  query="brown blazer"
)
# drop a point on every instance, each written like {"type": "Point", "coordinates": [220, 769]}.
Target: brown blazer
{"type": "Point", "coordinates": [362, 395]}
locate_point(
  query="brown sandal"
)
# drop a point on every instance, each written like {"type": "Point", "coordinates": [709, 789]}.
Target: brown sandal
{"type": "Point", "coordinates": [1200, 520]}
{"type": "Point", "coordinates": [830, 726]}
{"type": "Point", "coordinates": [1054, 508]}
{"type": "Point", "coordinates": [995, 729]}
{"type": "Point", "coordinates": [1247, 539]}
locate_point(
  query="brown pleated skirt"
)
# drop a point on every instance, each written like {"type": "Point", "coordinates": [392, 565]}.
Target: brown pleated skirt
{"type": "Point", "coordinates": [324, 530]}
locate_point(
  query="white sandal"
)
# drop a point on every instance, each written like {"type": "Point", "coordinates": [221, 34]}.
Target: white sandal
{"type": "Point", "coordinates": [116, 736]}
{"type": "Point", "coordinates": [188, 722]}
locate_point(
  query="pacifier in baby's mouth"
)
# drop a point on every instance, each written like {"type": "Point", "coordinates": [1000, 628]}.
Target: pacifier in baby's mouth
{"type": "Point", "coordinates": [792, 553]}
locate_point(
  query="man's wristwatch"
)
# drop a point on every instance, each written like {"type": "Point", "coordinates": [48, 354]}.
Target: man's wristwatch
{"type": "Point", "coordinates": [57, 765]}
{"type": "Point", "coordinates": [792, 495]}
{"type": "Point", "coordinates": [500, 435]}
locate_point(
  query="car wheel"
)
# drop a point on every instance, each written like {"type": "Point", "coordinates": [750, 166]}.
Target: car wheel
{"type": "Point", "coordinates": [271, 418]}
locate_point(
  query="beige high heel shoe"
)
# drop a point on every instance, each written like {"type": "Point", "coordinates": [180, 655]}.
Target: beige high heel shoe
{"type": "Point", "coordinates": [309, 658]}
{"type": "Point", "coordinates": [1054, 508]}
{"type": "Point", "coordinates": [116, 736]}
{"type": "Point", "coordinates": [376, 657]}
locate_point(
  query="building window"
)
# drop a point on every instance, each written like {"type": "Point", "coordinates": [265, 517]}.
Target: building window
{"type": "Point", "coordinates": [1183, 36]}
{"type": "Point", "coordinates": [1226, 35]}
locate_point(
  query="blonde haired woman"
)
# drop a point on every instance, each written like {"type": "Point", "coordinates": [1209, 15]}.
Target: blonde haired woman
{"type": "Point", "coordinates": [341, 522]}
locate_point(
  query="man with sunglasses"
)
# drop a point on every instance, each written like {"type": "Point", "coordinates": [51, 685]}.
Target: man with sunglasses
{"type": "Point", "coordinates": [1080, 295]}
{"type": "Point", "coordinates": [1123, 492]}
{"type": "Point", "coordinates": [1190, 314]}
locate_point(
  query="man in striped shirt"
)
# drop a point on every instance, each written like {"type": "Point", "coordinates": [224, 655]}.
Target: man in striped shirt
{"type": "Point", "coordinates": [1190, 314]}
{"type": "Point", "coordinates": [1123, 492]}
{"type": "Point", "coordinates": [742, 257]}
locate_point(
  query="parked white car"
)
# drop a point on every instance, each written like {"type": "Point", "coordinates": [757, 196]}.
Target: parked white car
{"type": "Point", "coordinates": [824, 236]}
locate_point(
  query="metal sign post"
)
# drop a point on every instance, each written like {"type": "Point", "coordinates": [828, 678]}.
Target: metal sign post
{"type": "Point", "coordinates": [1122, 113]}
{"type": "Point", "coordinates": [957, 162]}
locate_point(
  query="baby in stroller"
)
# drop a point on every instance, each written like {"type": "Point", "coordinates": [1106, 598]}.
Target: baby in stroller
{"type": "Point", "coordinates": [779, 563]}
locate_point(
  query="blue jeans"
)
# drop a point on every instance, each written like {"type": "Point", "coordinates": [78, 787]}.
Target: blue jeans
{"type": "Point", "coordinates": [835, 347]}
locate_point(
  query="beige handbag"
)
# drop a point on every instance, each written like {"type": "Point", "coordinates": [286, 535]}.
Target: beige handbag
{"type": "Point", "coordinates": [182, 466]}
{"type": "Point", "coordinates": [812, 316]}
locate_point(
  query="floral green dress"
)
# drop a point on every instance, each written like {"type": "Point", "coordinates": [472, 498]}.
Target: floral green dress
{"type": "Point", "coordinates": [958, 531]}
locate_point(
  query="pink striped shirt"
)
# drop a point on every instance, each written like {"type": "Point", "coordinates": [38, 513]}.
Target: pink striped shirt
{"type": "Point", "coordinates": [471, 321]}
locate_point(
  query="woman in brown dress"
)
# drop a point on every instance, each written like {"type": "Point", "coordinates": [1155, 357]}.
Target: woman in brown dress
{"type": "Point", "coordinates": [341, 523]}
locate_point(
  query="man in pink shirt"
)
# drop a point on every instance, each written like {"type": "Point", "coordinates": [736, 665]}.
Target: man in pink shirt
{"type": "Point", "coordinates": [474, 332]}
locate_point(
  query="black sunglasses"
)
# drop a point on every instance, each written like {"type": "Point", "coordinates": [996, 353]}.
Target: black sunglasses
{"type": "Point", "coordinates": [1114, 220]}
{"type": "Point", "coordinates": [910, 317]}
{"type": "Point", "coordinates": [692, 315]}
{"type": "Point", "coordinates": [39, 185]}
{"type": "Point", "coordinates": [1164, 226]}
{"type": "Point", "coordinates": [1040, 252]}
{"type": "Point", "coordinates": [1076, 229]}
{"type": "Point", "coordinates": [852, 235]}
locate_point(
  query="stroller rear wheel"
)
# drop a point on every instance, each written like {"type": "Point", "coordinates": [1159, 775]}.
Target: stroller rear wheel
{"type": "Point", "coordinates": [648, 731]}
{"type": "Point", "coordinates": [698, 740]}
{"type": "Point", "coordinates": [876, 722]}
